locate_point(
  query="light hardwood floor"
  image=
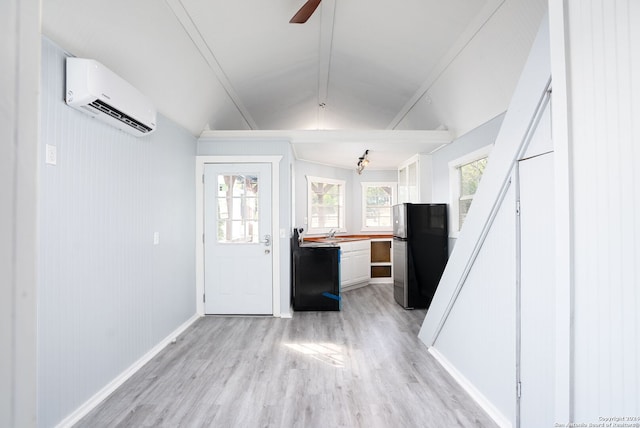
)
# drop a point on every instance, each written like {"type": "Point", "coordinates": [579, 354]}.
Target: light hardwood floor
{"type": "Point", "coordinates": [361, 367]}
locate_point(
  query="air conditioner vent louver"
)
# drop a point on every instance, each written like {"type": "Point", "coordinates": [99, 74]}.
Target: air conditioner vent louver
{"type": "Point", "coordinates": [94, 89]}
{"type": "Point", "coordinates": [118, 115]}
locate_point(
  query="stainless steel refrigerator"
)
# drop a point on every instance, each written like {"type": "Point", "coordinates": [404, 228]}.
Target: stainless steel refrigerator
{"type": "Point", "coordinates": [420, 252]}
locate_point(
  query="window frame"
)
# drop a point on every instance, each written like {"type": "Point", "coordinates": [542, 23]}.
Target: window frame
{"type": "Point", "coordinates": [455, 186]}
{"type": "Point", "coordinates": [363, 204]}
{"type": "Point", "coordinates": [341, 205]}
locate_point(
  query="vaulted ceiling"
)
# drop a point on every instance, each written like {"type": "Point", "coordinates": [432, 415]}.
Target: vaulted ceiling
{"type": "Point", "coordinates": [355, 65]}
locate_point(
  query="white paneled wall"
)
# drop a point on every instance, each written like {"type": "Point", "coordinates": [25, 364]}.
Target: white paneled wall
{"type": "Point", "coordinates": [106, 293]}
{"type": "Point", "coordinates": [604, 87]}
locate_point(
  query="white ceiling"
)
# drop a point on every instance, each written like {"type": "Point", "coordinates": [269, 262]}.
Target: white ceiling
{"type": "Point", "coordinates": [239, 65]}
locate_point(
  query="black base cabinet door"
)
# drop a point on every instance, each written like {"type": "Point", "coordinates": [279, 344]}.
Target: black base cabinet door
{"type": "Point", "coordinates": [316, 279]}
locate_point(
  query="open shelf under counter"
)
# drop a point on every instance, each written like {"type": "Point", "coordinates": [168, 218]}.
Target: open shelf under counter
{"type": "Point", "coordinates": [381, 260]}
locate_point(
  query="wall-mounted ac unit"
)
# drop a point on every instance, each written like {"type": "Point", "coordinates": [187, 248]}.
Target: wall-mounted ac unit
{"type": "Point", "coordinates": [98, 91]}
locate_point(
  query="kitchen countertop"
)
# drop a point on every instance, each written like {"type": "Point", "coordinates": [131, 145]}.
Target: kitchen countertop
{"type": "Point", "coordinates": [322, 241]}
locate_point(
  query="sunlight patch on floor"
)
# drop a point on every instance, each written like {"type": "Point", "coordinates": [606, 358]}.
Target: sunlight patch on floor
{"type": "Point", "coordinates": [328, 353]}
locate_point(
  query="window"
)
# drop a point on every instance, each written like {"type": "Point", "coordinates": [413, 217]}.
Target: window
{"type": "Point", "coordinates": [377, 200]}
{"type": "Point", "coordinates": [464, 176]}
{"type": "Point", "coordinates": [237, 202]}
{"type": "Point", "coordinates": [470, 175]}
{"type": "Point", "coordinates": [325, 205]}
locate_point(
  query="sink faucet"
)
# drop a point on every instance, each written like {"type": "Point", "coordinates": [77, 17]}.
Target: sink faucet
{"type": "Point", "coordinates": [331, 234]}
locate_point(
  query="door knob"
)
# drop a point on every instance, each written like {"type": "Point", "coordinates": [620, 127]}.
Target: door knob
{"type": "Point", "coordinates": [267, 240]}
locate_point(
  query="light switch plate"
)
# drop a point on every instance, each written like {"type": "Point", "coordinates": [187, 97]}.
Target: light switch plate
{"type": "Point", "coordinates": [51, 155]}
{"type": "Point", "coordinates": [156, 238]}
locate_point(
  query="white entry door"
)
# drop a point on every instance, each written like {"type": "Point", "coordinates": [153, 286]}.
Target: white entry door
{"type": "Point", "coordinates": [237, 239]}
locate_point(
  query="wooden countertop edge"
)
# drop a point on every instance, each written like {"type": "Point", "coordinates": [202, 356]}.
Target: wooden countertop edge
{"type": "Point", "coordinates": [354, 237]}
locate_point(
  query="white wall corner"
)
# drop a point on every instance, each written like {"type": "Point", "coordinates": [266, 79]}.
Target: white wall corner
{"type": "Point", "coordinates": [477, 396]}
{"type": "Point", "coordinates": [108, 389]}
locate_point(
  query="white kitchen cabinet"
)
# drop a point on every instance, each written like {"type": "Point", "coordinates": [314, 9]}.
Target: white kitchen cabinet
{"type": "Point", "coordinates": [355, 263]}
{"type": "Point", "coordinates": [414, 179]}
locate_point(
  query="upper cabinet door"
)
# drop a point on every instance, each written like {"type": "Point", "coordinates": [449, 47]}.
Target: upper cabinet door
{"type": "Point", "coordinates": [414, 180]}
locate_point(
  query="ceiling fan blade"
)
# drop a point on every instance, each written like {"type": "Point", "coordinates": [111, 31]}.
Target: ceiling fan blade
{"type": "Point", "coordinates": [305, 12]}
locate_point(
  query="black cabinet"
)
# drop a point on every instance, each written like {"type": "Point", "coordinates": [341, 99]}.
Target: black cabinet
{"type": "Point", "coordinates": [316, 278]}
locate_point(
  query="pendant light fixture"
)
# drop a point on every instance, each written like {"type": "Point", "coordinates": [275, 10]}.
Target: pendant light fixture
{"type": "Point", "coordinates": [362, 162]}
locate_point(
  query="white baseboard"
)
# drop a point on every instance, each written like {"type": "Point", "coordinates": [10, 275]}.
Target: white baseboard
{"type": "Point", "coordinates": [381, 281]}
{"type": "Point", "coordinates": [288, 314]}
{"type": "Point", "coordinates": [477, 396]}
{"type": "Point", "coordinates": [92, 402]}
{"type": "Point", "coordinates": [354, 286]}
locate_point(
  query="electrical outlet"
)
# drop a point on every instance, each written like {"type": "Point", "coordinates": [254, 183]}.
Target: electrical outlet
{"type": "Point", "coordinates": [51, 155]}
{"type": "Point", "coordinates": [156, 238]}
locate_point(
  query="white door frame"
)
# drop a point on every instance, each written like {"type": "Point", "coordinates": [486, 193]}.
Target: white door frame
{"type": "Point", "coordinates": [275, 222]}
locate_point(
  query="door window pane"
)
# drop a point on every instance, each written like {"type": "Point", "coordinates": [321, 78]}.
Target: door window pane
{"type": "Point", "coordinates": [237, 201]}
